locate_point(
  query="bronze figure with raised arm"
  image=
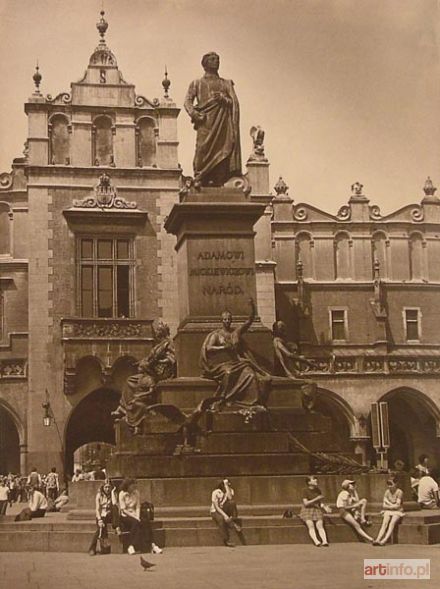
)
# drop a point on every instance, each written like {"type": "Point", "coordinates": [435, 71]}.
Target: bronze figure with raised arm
{"type": "Point", "coordinates": [225, 359]}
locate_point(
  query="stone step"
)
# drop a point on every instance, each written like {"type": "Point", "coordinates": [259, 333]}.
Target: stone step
{"type": "Point", "coordinates": [171, 492]}
{"type": "Point", "coordinates": [205, 534]}
{"type": "Point", "coordinates": [199, 465]}
{"type": "Point", "coordinates": [274, 512]}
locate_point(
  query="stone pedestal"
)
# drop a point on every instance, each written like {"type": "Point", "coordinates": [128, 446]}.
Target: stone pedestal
{"type": "Point", "coordinates": [216, 270]}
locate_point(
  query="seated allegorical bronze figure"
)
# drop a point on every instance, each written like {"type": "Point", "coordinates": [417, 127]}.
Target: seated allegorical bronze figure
{"type": "Point", "coordinates": [138, 392]}
{"type": "Point", "coordinates": [292, 363]}
{"type": "Point", "coordinates": [225, 359]}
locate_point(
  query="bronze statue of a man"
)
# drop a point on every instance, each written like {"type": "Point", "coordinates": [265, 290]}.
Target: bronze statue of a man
{"type": "Point", "coordinates": [212, 104]}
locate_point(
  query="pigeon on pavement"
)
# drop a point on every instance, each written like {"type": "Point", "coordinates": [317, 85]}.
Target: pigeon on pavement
{"type": "Point", "coordinates": [146, 565]}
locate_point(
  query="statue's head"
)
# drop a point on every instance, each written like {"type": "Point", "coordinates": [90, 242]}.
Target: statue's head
{"type": "Point", "coordinates": [226, 319]}
{"type": "Point", "coordinates": [160, 330]}
{"type": "Point", "coordinates": [211, 61]}
{"type": "Point", "coordinates": [279, 329]}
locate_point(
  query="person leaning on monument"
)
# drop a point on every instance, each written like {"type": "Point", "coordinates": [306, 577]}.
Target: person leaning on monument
{"type": "Point", "coordinates": [352, 509]}
{"type": "Point", "coordinates": [139, 531]}
{"type": "Point", "coordinates": [213, 106]}
{"type": "Point", "coordinates": [224, 512]}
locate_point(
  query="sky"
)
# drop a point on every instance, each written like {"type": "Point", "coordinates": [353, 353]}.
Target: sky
{"type": "Point", "coordinates": [346, 90]}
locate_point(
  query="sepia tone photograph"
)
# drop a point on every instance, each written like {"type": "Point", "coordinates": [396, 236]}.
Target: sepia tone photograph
{"type": "Point", "coordinates": [219, 294]}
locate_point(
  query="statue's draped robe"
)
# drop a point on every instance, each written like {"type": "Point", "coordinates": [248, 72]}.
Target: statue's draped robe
{"type": "Point", "coordinates": [241, 381]}
{"type": "Point", "coordinates": [138, 391]}
{"type": "Point", "coordinates": [292, 369]}
{"type": "Point", "coordinates": [217, 157]}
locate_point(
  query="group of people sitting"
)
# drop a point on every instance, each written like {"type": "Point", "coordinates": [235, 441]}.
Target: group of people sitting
{"type": "Point", "coordinates": [122, 509]}
{"type": "Point", "coordinates": [99, 474]}
{"type": "Point", "coordinates": [43, 493]}
{"type": "Point", "coordinates": [352, 509]}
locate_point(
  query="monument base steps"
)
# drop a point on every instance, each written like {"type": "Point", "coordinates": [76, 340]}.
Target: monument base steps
{"type": "Point", "coordinates": [75, 536]}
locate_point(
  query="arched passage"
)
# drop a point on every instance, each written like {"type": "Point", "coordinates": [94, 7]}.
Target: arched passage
{"type": "Point", "coordinates": [9, 443]}
{"type": "Point", "coordinates": [413, 419]}
{"type": "Point", "coordinates": [332, 405]}
{"type": "Point", "coordinates": [91, 421]}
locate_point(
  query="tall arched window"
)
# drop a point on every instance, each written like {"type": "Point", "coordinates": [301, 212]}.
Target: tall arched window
{"type": "Point", "coordinates": [416, 265]}
{"type": "Point", "coordinates": [304, 252]}
{"type": "Point", "coordinates": [146, 141]}
{"type": "Point", "coordinates": [103, 141]}
{"type": "Point", "coordinates": [379, 253]}
{"type": "Point", "coordinates": [59, 137]}
{"type": "Point", "coordinates": [342, 256]}
{"type": "Point", "coordinates": [5, 229]}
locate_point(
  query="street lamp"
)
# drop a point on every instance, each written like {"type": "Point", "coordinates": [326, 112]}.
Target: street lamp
{"type": "Point", "coordinates": [47, 417]}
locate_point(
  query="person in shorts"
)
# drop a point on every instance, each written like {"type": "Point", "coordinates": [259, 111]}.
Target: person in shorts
{"type": "Point", "coordinates": [351, 508]}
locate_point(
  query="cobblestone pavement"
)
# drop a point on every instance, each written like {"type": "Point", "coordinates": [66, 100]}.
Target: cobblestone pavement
{"type": "Point", "coordinates": [248, 567]}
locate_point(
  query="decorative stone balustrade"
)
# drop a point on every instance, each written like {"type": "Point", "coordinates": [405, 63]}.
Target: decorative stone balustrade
{"type": "Point", "coordinates": [390, 364]}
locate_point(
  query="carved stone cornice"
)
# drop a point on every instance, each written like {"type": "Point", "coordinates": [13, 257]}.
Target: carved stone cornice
{"type": "Point", "coordinates": [13, 368]}
{"type": "Point", "coordinates": [106, 329]}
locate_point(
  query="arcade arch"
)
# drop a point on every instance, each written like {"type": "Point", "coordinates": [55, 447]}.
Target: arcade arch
{"type": "Point", "coordinates": [90, 421]}
{"type": "Point", "coordinates": [9, 441]}
{"type": "Point", "coordinates": [414, 422]}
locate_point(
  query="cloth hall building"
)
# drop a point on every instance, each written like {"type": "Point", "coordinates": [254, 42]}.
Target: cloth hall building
{"type": "Point", "coordinates": [86, 266]}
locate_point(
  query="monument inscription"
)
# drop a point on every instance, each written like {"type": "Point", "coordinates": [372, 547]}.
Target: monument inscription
{"type": "Point", "coordinates": [220, 275]}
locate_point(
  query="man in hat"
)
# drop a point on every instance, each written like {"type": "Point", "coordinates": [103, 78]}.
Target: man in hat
{"type": "Point", "coordinates": [352, 509]}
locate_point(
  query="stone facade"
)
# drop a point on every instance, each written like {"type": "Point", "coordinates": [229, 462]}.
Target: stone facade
{"type": "Point", "coordinates": [47, 207]}
{"type": "Point", "coordinates": [358, 292]}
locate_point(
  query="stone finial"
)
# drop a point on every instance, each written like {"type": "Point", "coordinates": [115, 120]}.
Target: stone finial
{"type": "Point", "coordinates": [102, 27]}
{"type": "Point", "coordinates": [429, 189]}
{"type": "Point", "coordinates": [281, 188]}
{"type": "Point", "coordinates": [37, 77]}
{"type": "Point", "coordinates": [357, 188]}
{"type": "Point", "coordinates": [166, 83]}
